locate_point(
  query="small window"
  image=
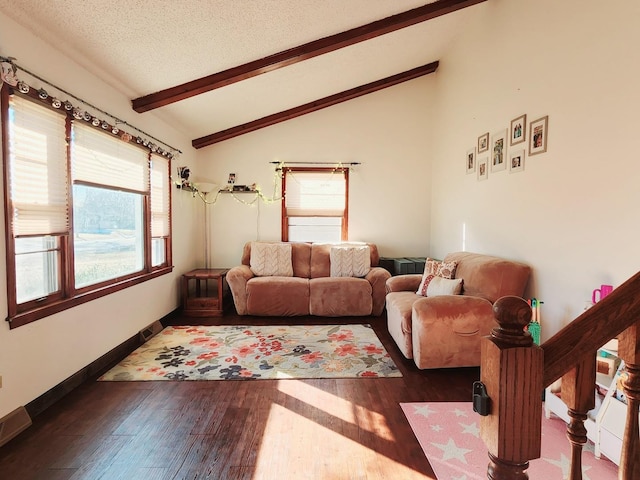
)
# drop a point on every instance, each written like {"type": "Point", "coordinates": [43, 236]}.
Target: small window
{"type": "Point", "coordinates": [315, 204]}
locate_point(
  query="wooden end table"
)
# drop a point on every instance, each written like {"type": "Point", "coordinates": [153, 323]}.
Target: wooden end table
{"type": "Point", "coordinates": [202, 292]}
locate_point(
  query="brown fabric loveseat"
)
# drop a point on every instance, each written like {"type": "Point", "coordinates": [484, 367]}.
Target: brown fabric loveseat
{"type": "Point", "coordinates": [445, 331]}
{"type": "Point", "coordinates": [311, 290]}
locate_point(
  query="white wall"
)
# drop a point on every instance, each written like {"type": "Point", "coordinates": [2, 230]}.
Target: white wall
{"type": "Point", "coordinates": [38, 356]}
{"type": "Point", "coordinates": [388, 132]}
{"type": "Point", "coordinates": [571, 214]}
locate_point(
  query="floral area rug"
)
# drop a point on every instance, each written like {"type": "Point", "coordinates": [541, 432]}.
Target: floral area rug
{"type": "Point", "coordinates": [252, 352]}
{"type": "Point", "coordinates": [449, 434]}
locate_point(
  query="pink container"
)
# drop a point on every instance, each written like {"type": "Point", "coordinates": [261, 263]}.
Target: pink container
{"type": "Point", "coordinates": [600, 293]}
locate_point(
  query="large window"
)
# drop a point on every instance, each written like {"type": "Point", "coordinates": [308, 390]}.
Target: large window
{"type": "Point", "coordinates": [87, 210]}
{"type": "Point", "coordinates": [315, 204]}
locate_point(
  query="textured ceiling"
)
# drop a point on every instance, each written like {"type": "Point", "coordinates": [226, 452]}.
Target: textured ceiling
{"type": "Point", "coordinates": [143, 46]}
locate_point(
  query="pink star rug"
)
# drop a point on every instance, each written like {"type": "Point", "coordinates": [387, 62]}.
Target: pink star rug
{"type": "Point", "coordinates": [449, 434]}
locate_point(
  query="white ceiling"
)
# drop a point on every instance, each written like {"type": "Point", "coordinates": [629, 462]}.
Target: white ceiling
{"type": "Point", "coordinates": [143, 46]}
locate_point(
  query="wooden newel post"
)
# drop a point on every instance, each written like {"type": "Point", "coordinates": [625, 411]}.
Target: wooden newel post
{"type": "Point", "coordinates": [512, 368]}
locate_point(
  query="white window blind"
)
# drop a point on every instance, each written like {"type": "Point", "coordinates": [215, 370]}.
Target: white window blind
{"type": "Point", "coordinates": [102, 159]}
{"type": "Point", "coordinates": [37, 169]}
{"type": "Point", "coordinates": [160, 202]}
{"type": "Point", "coordinates": [315, 194]}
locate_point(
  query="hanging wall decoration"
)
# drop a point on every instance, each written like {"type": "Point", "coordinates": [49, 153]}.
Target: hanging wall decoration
{"type": "Point", "coordinates": [538, 132]}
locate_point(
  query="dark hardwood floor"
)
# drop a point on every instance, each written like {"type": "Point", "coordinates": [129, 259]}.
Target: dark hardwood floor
{"type": "Point", "coordinates": [261, 430]}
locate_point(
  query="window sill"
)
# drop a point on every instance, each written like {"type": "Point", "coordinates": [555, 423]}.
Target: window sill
{"type": "Point", "coordinates": [37, 313]}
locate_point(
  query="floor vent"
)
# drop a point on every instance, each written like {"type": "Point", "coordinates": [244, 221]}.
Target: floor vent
{"type": "Point", "coordinates": [150, 331]}
{"type": "Point", "coordinates": [13, 423]}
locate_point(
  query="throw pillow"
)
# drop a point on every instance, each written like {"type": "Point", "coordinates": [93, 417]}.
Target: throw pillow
{"type": "Point", "coordinates": [443, 286]}
{"type": "Point", "coordinates": [271, 259]}
{"type": "Point", "coordinates": [350, 261]}
{"type": "Point", "coordinates": [435, 268]}
{"type": "Point", "coordinates": [441, 269]}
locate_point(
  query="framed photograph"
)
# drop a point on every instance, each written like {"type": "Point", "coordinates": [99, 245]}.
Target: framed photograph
{"type": "Point", "coordinates": [471, 160]}
{"type": "Point", "coordinates": [516, 161]}
{"type": "Point", "coordinates": [538, 133]}
{"type": "Point", "coordinates": [499, 151]}
{"type": "Point", "coordinates": [232, 179]}
{"type": "Point", "coordinates": [517, 132]}
{"type": "Point", "coordinates": [483, 168]}
{"type": "Point", "coordinates": [483, 142]}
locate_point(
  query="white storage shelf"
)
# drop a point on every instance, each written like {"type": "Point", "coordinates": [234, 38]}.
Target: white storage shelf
{"type": "Point", "coordinates": [605, 424]}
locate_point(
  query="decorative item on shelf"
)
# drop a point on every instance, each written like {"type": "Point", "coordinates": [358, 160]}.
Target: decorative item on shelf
{"type": "Point", "coordinates": [183, 178]}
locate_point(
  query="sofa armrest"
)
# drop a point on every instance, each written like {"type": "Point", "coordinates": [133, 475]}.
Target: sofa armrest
{"type": "Point", "coordinates": [447, 330]}
{"type": "Point", "coordinates": [378, 277]}
{"type": "Point", "coordinates": [475, 313]}
{"type": "Point", "coordinates": [237, 278]}
{"type": "Point", "coordinates": [404, 283]}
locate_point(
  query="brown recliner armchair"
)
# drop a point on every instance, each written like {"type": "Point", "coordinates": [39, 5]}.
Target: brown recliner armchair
{"type": "Point", "coordinates": [445, 331]}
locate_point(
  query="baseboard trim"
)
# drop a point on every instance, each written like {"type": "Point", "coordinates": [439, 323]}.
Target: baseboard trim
{"type": "Point", "coordinates": [12, 424]}
{"type": "Point", "coordinates": [95, 368]}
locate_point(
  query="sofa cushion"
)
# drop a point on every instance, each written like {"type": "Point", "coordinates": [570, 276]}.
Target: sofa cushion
{"type": "Point", "coordinates": [338, 297]}
{"type": "Point", "coordinates": [398, 306]}
{"type": "Point", "coordinates": [490, 277]}
{"type": "Point", "coordinates": [350, 261]}
{"type": "Point", "coordinates": [278, 296]}
{"type": "Point", "coordinates": [271, 259]}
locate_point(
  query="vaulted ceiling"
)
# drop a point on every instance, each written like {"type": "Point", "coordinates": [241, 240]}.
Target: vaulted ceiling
{"type": "Point", "coordinates": [217, 69]}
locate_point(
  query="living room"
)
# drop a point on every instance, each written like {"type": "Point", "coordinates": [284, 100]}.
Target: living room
{"type": "Point", "coordinates": [568, 214]}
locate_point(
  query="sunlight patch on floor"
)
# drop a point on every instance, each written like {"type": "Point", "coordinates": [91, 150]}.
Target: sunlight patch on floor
{"type": "Point", "coordinates": [315, 450]}
{"type": "Point", "coordinates": [338, 407]}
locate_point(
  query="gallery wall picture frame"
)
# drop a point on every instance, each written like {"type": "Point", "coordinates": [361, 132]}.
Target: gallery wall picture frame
{"type": "Point", "coordinates": [483, 142]}
{"type": "Point", "coordinates": [498, 153]}
{"type": "Point", "coordinates": [538, 135]}
{"type": "Point", "coordinates": [471, 160]}
{"type": "Point", "coordinates": [518, 130]}
{"type": "Point", "coordinates": [483, 168]}
{"type": "Point", "coordinates": [516, 161]}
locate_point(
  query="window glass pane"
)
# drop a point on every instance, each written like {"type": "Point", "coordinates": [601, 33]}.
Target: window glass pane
{"type": "Point", "coordinates": [37, 266]}
{"type": "Point", "coordinates": [108, 234]}
{"type": "Point", "coordinates": [157, 252]}
{"type": "Point", "coordinates": [315, 229]}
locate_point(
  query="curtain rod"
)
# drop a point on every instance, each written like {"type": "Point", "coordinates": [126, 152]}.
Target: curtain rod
{"type": "Point", "coordinates": [118, 120]}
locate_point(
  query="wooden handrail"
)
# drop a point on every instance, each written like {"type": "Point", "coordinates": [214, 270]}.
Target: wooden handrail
{"type": "Point", "coordinates": [587, 333]}
{"type": "Point", "coordinates": [568, 354]}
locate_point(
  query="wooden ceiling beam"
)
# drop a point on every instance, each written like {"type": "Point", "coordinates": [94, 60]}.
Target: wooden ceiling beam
{"type": "Point", "coordinates": [314, 106]}
{"type": "Point", "coordinates": [299, 54]}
